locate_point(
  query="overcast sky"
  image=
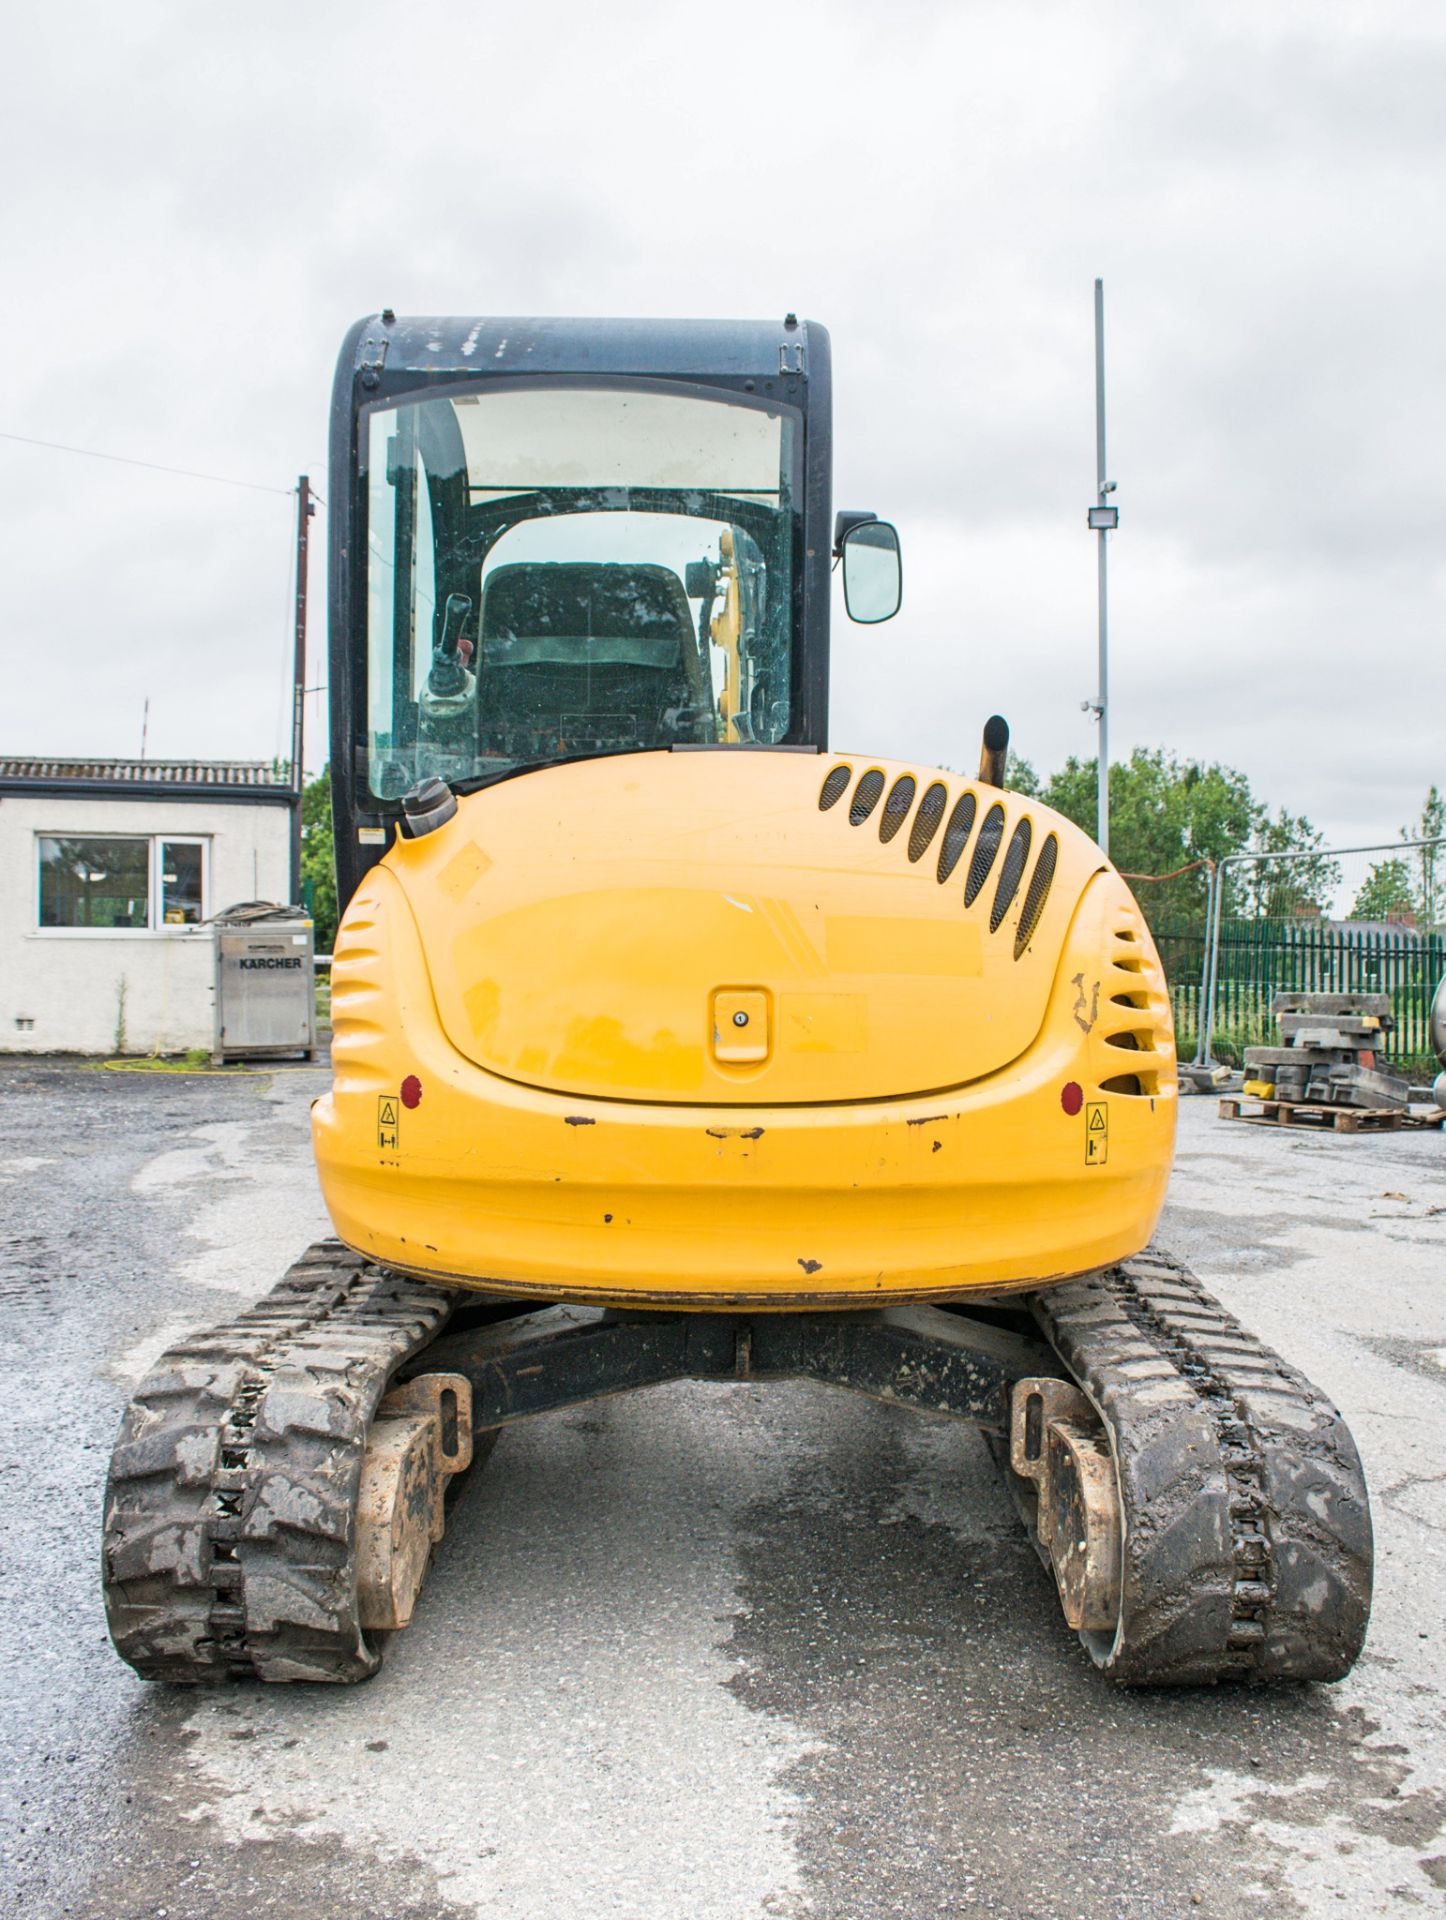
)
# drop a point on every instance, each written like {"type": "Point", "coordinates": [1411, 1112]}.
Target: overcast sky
{"type": "Point", "coordinates": [199, 200]}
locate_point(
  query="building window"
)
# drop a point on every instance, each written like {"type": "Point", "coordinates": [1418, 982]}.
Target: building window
{"type": "Point", "coordinates": [109, 884]}
{"type": "Point", "coordinates": [181, 865]}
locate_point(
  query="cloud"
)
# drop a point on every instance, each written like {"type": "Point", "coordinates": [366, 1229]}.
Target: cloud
{"type": "Point", "coordinates": [206, 201]}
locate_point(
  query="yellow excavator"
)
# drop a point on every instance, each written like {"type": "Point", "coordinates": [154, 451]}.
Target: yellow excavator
{"type": "Point", "coordinates": [671, 1043]}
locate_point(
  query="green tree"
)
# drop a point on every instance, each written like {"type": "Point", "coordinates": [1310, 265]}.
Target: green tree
{"type": "Point", "coordinates": [1020, 776]}
{"type": "Point", "coordinates": [1430, 861]}
{"type": "Point", "coordinates": [1385, 892]}
{"type": "Point", "coordinates": [318, 857]}
{"type": "Point", "coordinates": [1165, 813]}
{"type": "Point", "coordinates": [1285, 889]}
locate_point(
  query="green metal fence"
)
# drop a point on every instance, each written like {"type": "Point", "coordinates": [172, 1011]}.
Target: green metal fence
{"type": "Point", "coordinates": [1258, 958]}
{"type": "Point", "coordinates": [1182, 953]}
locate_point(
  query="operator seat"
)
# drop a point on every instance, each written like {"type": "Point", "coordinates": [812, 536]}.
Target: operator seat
{"type": "Point", "coordinates": [591, 653]}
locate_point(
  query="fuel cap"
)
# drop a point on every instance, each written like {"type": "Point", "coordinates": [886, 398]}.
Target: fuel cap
{"type": "Point", "coordinates": [425, 807]}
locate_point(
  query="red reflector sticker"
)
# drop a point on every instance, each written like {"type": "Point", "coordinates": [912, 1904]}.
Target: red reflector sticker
{"type": "Point", "coordinates": [412, 1093]}
{"type": "Point", "coordinates": [1071, 1095]}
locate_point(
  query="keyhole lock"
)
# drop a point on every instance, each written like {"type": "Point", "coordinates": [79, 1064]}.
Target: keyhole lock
{"type": "Point", "coordinates": [739, 1026]}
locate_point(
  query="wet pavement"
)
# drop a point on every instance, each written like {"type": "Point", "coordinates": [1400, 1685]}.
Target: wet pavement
{"type": "Point", "coordinates": [724, 1651]}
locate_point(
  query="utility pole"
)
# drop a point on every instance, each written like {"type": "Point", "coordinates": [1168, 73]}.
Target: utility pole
{"type": "Point", "coordinates": [304, 511]}
{"type": "Point", "coordinates": [1102, 520]}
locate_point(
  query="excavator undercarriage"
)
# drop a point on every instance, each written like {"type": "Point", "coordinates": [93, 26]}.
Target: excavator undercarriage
{"type": "Point", "coordinates": [280, 1482]}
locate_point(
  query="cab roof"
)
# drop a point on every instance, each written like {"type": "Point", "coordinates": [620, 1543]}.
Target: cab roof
{"type": "Point", "coordinates": [389, 344]}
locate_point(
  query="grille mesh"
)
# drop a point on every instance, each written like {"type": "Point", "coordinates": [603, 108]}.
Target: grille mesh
{"type": "Point", "coordinates": [954, 842]}
{"type": "Point", "coordinates": [986, 847]}
{"type": "Point", "coordinates": [956, 834]}
{"type": "Point", "coordinates": [833, 787]}
{"type": "Point", "coordinates": [866, 797]}
{"type": "Point", "coordinates": [926, 820]}
{"type": "Point", "coordinates": [896, 807]}
{"type": "Point", "coordinates": [1011, 873]}
{"type": "Point", "coordinates": [1036, 893]}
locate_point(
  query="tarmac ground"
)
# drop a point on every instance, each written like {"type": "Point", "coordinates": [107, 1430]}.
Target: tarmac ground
{"type": "Point", "coordinates": [704, 1652]}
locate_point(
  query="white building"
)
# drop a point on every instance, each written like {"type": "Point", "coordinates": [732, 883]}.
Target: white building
{"type": "Point", "coordinates": [109, 871]}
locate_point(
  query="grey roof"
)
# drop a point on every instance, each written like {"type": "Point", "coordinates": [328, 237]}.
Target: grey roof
{"type": "Point", "coordinates": [149, 773]}
{"type": "Point", "coordinates": [419, 343]}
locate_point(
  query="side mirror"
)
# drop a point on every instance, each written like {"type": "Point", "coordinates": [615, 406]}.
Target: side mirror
{"type": "Point", "coordinates": [872, 574]}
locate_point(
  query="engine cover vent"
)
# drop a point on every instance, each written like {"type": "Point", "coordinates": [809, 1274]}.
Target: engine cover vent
{"type": "Point", "coordinates": [1011, 873]}
{"type": "Point", "coordinates": [896, 807]}
{"type": "Point", "coordinates": [926, 820]}
{"type": "Point", "coordinates": [985, 850]}
{"type": "Point", "coordinates": [956, 835]}
{"type": "Point", "coordinates": [866, 797]}
{"type": "Point", "coordinates": [1036, 893]}
{"type": "Point", "coordinates": [834, 786]}
{"type": "Point", "coordinates": [925, 829]}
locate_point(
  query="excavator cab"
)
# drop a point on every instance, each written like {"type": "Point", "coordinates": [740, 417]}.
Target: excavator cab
{"type": "Point", "coordinates": [565, 539]}
{"type": "Point", "coordinates": [669, 1042]}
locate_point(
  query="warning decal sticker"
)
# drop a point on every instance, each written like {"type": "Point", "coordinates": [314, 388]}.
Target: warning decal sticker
{"type": "Point", "coordinates": [1097, 1133]}
{"type": "Point", "coordinates": [388, 1107]}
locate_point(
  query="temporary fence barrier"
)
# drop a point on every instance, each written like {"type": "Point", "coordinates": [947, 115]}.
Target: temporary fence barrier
{"type": "Point", "coordinates": [1267, 930]}
{"type": "Point", "coordinates": [1261, 924]}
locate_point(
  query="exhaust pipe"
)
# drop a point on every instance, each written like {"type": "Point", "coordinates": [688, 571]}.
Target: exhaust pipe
{"type": "Point", "coordinates": [994, 751]}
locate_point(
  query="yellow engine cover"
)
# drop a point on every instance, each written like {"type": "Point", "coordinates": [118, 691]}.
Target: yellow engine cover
{"type": "Point", "coordinates": [737, 1027]}
{"type": "Point", "coordinates": [585, 928]}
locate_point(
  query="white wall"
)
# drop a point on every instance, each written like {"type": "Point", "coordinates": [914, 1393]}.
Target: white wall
{"type": "Point", "coordinates": [69, 983]}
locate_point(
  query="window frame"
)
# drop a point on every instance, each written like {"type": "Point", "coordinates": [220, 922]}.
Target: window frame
{"type": "Point", "coordinates": [155, 885]}
{"type": "Point", "coordinates": [159, 843]}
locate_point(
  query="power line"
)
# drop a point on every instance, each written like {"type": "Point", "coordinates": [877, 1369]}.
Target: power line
{"type": "Point", "coordinates": [153, 466]}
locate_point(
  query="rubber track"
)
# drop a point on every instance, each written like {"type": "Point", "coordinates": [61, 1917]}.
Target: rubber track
{"type": "Point", "coordinates": [1247, 1531]}
{"type": "Point", "coordinates": [230, 1512]}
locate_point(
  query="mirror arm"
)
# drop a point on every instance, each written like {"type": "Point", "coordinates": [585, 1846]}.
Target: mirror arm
{"type": "Point", "coordinates": [844, 522]}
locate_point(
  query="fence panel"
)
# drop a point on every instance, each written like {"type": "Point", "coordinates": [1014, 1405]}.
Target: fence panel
{"type": "Point", "coordinates": [1256, 959]}
{"type": "Point", "coordinates": [1298, 922]}
{"type": "Point", "coordinates": [1182, 954]}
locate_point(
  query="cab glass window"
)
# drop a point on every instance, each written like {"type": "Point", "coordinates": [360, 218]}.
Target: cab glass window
{"type": "Point", "coordinates": [564, 570]}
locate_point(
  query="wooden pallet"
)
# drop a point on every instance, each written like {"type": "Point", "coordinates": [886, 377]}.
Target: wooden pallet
{"type": "Point", "coordinates": [1315, 1113]}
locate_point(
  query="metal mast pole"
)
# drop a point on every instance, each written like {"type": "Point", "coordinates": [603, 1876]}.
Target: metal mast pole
{"type": "Point", "coordinates": [1103, 488]}
{"type": "Point", "coordinates": [304, 511]}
